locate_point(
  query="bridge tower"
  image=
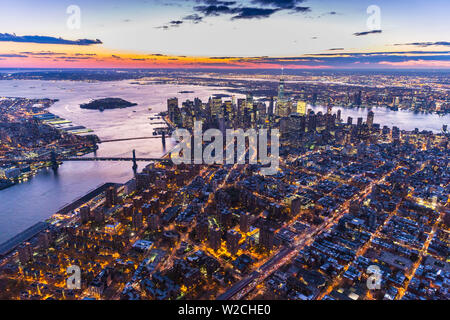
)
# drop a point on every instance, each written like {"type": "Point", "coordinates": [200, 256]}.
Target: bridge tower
{"type": "Point", "coordinates": [135, 166]}
{"type": "Point", "coordinates": [54, 161]}
{"type": "Point", "coordinates": [164, 139]}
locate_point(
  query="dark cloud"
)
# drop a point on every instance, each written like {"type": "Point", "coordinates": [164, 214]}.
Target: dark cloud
{"type": "Point", "coordinates": [281, 4]}
{"type": "Point", "coordinates": [254, 13]}
{"type": "Point", "coordinates": [262, 8]}
{"type": "Point", "coordinates": [301, 9]}
{"type": "Point", "coordinates": [425, 44]}
{"type": "Point", "coordinates": [366, 32]}
{"type": "Point", "coordinates": [12, 55]}
{"type": "Point", "coordinates": [47, 40]}
{"type": "Point", "coordinates": [176, 22]}
{"type": "Point", "coordinates": [215, 10]}
{"type": "Point", "coordinates": [194, 18]}
{"type": "Point", "coordinates": [45, 53]}
{"type": "Point", "coordinates": [216, 2]}
{"type": "Point", "coordinates": [335, 49]}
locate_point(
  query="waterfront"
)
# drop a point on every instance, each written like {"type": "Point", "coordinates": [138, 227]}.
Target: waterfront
{"type": "Point", "coordinates": [37, 199]}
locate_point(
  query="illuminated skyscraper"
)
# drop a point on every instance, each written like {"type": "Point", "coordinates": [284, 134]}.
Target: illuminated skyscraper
{"type": "Point", "coordinates": [301, 108]}
{"type": "Point", "coordinates": [172, 106]}
{"type": "Point", "coordinates": [249, 102]}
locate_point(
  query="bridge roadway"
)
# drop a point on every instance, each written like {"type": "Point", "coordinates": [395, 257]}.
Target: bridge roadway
{"type": "Point", "coordinates": [83, 159]}
{"type": "Point", "coordinates": [127, 139]}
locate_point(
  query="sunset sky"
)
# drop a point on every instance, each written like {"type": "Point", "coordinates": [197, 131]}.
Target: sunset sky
{"type": "Point", "coordinates": [224, 34]}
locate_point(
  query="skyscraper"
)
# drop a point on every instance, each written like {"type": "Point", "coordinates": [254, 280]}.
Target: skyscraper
{"type": "Point", "coordinates": [85, 213]}
{"type": "Point", "coordinates": [244, 221]}
{"type": "Point", "coordinates": [111, 197]}
{"type": "Point", "coordinates": [370, 116]}
{"type": "Point", "coordinates": [172, 105]}
{"type": "Point", "coordinates": [301, 107]}
{"type": "Point", "coordinates": [266, 236]}
{"type": "Point", "coordinates": [233, 238]}
{"type": "Point", "coordinates": [25, 253]}
{"type": "Point", "coordinates": [214, 238]}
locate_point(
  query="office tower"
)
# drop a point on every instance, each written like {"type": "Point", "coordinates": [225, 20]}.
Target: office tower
{"type": "Point", "coordinates": [225, 219]}
{"type": "Point", "coordinates": [249, 104]}
{"type": "Point", "coordinates": [25, 253]}
{"type": "Point", "coordinates": [301, 108]}
{"type": "Point", "coordinates": [266, 236]}
{"type": "Point", "coordinates": [172, 108]}
{"type": "Point", "coordinates": [216, 107]}
{"type": "Point", "coordinates": [339, 115]}
{"type": "Point", "coordinates": [44, 239]}
{"type": "Point", "coordinates": [99, 215]}
{"type": "Point", "coordinates": [261, 110]}
{"type": "Point", "coordinates": [312, 122]}
{"type": "Point", "coordinates": [241, 106]}
{"type": "Point", "coordinates": [137, 220]}
{"type": "Point", "coordinates": [153, 222]}
{"type": "Point", "coordinates": [295, 205]}
{"type": "Point", "coordinates": [201, 228]}
{"type": "Point", "coordinates": [110, 197]}
{"type": "Point", "coordinates": [358, 99]}
{"type": "Point", "coordinates": [296, 125]}
{"type": "Point", "coordinates": [349, 120]}
{"type": "Point", "coordinates": [370, 116]}
{"type": "Point", "coordinates": [281, 90]}
{"type": "Point", "coordinates": [271, 107]}
{"type": "Point", "coordinates": [85, 214]}
{"type": "Point", "coordinates": [244, 222]}
{"type": "Point", "coordinates": [284, 127]}
{"type": "Point", "coordinates": [359, 121]}
{"type": "Point", "coordinates": [395, 133]}
{"type": "Point", "coordinates": [214, 240]}
{"type": "Point", "coordinates": [233, 238]}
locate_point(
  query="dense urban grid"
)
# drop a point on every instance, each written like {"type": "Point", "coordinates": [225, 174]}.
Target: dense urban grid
{"type": "Point", "coordinates": [350, 196]}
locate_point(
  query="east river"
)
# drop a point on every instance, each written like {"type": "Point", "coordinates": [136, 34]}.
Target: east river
{"type": "Point", "coordinates": [37, 199]}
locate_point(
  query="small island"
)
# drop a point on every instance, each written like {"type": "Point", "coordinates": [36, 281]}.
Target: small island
{"type": "Point", "coordinates": [107, 103]}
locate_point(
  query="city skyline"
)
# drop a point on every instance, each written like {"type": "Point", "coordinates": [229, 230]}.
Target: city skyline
{"type": "Point", "coordinates": [265, 34]}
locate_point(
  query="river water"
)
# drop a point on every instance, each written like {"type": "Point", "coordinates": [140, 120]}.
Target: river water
{"type": "Point", "coordinates": [27, 203]}
{"type": "Point", "coordinates": [37, 199]}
